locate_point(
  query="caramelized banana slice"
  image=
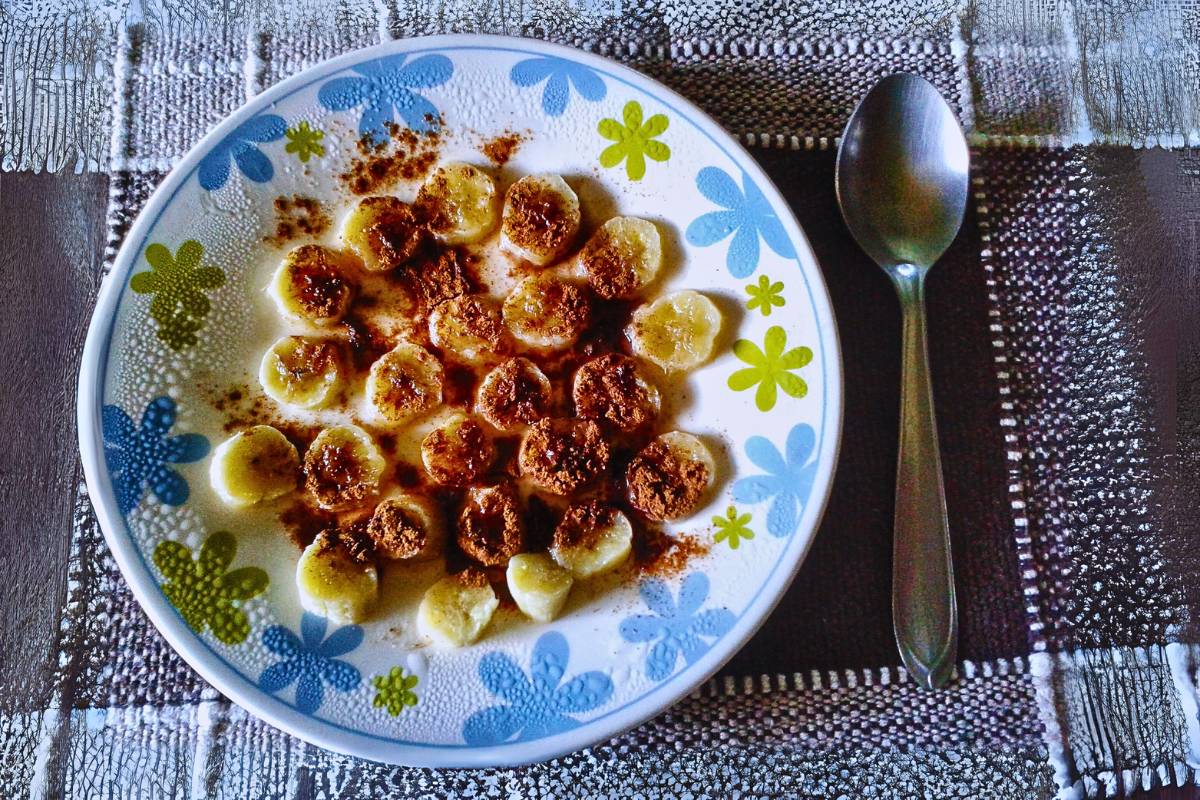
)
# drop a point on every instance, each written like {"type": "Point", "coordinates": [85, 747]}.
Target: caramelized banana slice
{"type": "Point", "coordinates": [563, 455]}
{"type": "Point", "coordinates": [456, 609]}
{"type": "Point", "coordinates": [612, 388]}
{"type": "Point", "coordinates": [677, 332]}
{"type": "Point", "coordinates": [514, 394]}
{"type": "Point", "coordinates": [336, 577]}
{"type": "Point", "coordinates": [538, 585]}
{"type": "Point", "coordinates": [459, 203]}
{"type": "Point", "coordinates": [405, 382]}
{"type": "Point", "coordinates": [457, 452]}
{"type": "Point", "coordinates": [302, 371]}
{"type": "Point", "coordinates": [467, 328]}
{"type": "Point", "coordinates": [253, 466]}
{"type": "Point", "coordinates": [591, 539]}
{"type": "Point", "coordinates": [546, 312]}
{"type": "Point", "coordinates": [541, 218]}
{"type": "Point", "coordinates": [342, 468]}
{"type": "Point", "coordinates": [669, 478]}
{"type": "Point", "coordinates": [490, 527]}
{"type": "Point", "coordinates": [383, 232]}
{"type": "Point", "coordinates": [407, 526]}
{"type": "Point", "coordinates": [623, 257]}
{"type": "Point", "coordinates": [311, 285]}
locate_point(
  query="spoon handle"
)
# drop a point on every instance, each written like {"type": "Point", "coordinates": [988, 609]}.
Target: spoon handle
{"type": "Point", "coordinates": [924, 610]}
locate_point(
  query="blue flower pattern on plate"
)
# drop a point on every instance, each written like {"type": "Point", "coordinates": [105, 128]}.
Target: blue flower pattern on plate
{"type": "Point", "coordinates": [560, 75]}
{"type": "Point", "coordinates": [310, 661]}
{"type": "Point", "coordinates": [538, 707]}
{"type": "Point", "coordinates": [746, 214]}
{"type": "Point", "coordinates": [385, 87]}
{"type": "Point", "coordinates": [138, 455]}
{"type": "Point", "coordinates": [241, 147]}
{"type": "Point", "coordinates": [788, 481]}
{"type": "Point", "coordinates": [680, 628]}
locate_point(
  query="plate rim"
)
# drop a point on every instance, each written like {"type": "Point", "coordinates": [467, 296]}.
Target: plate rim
{"type": "Point", "coordinates": [323, 733]}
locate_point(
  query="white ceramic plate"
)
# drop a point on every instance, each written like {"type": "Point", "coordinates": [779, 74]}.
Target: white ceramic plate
{"type": "Point", "coordinates": [184, 311]}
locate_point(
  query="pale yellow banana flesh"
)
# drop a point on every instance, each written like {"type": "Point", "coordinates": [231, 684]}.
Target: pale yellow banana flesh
{"type": "Point", "coordinates": [608, 550]}
{"type": "Point", "coordinates": [312, 285]}
{"type": "Point", "coordinates": [334, 584]}
{"type": "Point", "coordinates": [460, 203]}
{"type": "Point", "coordinates": [546, 312]}
{"type": "Point", "coordinates": [622, 257]}
{"type": "Point", "coordinates": [301, 371]}
{"type": "Point", "coordinates": [383, 232]}
{"type": "Point", "coordinates": [343, 468]}
{"type": "Point", "coordinates": [254, 466]}
{"type": "Point", "coordinates": [467, 328]}
{"type": "Point", "coordinates": [404, 383]}
{"type": "Point", "coordinates": [538, 585]}
{"type": "Point", "coordinates": [677, 332]}
{"type": "Point", "coordinates": [541, 218]}
{"type": "Point", "coordinates": [455, 611]}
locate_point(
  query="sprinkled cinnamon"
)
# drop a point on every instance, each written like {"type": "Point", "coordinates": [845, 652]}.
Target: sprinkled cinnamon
{"type": "Point", "coordinates": [502, 148]}
{"type": "Point", "coordinates": [664, 486]}
{"type": "Point", "coordinates": [563, 455]}
{"type": "Point", "coordinates": [297, 216]}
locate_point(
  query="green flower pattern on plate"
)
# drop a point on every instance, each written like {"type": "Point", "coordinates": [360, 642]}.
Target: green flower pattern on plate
{"type": "Point", "coordinates": [634, 141]}
{"type": "Point", "coordinates": [770, 368]}
{"type": "Point", "coordinates": [765, 295]}
{"type": "Point", "coordinates": [304, 141]}
{"type": "Point", "coordinates": [178, 284]}
{"type": "Point", "coordinates": [732, 528]}
{"type": "Point", "coordinates": [394, 691]}
{"type": "Point", "coordinates": [204, 593]}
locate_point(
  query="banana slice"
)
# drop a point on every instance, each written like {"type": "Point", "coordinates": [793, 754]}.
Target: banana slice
{"type": "Point", "coordinates": [677, 332]}
{"type": "Point", "coordinates": [514, 394]}
{"type": "Point", "coordinates": [467, 328]}
{"type": "Point", "coordinates": [538, 585]}
{"type": "Point", "coordinates": [336, 577]}
{"type": "Point", "coordinates": [457, 452]}
{"type": "Point", "coordinates": [591, 539]}
{"type": "Point", "coordinates": [541, 218]}
{"type": "Point", "coordinates": [311, 285]}
{"type": "Point", "coordinates": [405, 382]}
{"type": "Point", "coordinates": [623, 257]}
{"type": "Point", "coordinates": [456, 609]}
{"type": "Point", "coordinates": [669, 478]}
{"type": "Point", "coordinates": [491, 529]}
{"type": "Point", "coordinates": [459, 203]}
{"type": "Point", "coordinates": [255, 465]}
{"type": "Point", "coordinates": [301, 371]}
{"type": "Point", "coordinates": [383, 232]}
{"type": "Point", "coordinates": [342, 468]}
{"type": "Point", "coordinates": [613, 389]}
{"type": "Point", "coordinates": [563, 455]}
{"type": "Point", "coordinates": [407, 526]}
{"type": "Point", "coordinates": [546, 312]}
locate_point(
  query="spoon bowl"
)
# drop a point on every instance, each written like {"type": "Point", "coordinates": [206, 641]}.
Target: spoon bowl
{"type": "Point", "coordinates": [902, 185]}
{"type": "Point", "coordinates": [902, 173]}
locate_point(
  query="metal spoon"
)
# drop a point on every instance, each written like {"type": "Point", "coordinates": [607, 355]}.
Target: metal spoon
{"type": "Point", "coordinates": [902, 186]}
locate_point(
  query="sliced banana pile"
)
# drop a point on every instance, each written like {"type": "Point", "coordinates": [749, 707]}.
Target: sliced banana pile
{"type": "Point", "coordinates": [511, 398]}
{"type": "Point", "coordinates": [677, 332]}
{"type": "Point", "coordinates": [459, 203]}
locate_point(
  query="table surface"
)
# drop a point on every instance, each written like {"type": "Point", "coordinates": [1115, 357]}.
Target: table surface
{"type": "Point", "coordinates": [53, 226]}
